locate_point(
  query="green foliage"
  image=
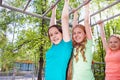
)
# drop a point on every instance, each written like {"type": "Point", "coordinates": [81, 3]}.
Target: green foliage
{"type": "Point", "coordinates": [75, 3]}
{"type": "Point", "coordinates": [3, 40]}
{"type": "Point", "coordinates": [99, 70]}
{"type": "Point", "coordinates": [31, 32]}
{"type": "Point", "coordinates": [4, 19]}
{"type": "Point", "coordinates": [7, 57]}
{"type": "Point", "coordinates": [18, 3]}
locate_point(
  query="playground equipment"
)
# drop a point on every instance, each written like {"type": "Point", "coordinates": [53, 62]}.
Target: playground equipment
{"type": "Point", "coordinates": [43, 16]}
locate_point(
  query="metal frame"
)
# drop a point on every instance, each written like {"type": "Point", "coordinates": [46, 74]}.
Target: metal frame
{"type": "Point", "coordinates": [0, 2]}
{"type": "Point", "coordinates": [27, 5]}
{"type": "Point", "coordinates": [84, 3]}
{"type": "Point", "coordinates": [28, 13]}
{"type": "Point", "coordinates": [51, 8]}
{"type": "Point", "coordinates": [57, 1]}
{"type": "Point", "coordinates": [108, 19]}
{"type": "Point", "coordinates": [24, 12]}
{"type": "Point", "coordinates": [117, 1]}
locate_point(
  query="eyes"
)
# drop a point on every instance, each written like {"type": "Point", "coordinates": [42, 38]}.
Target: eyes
{"type": "Point", "coordinates": [113, 42]}
{"type": "Point", "coordinates": [74, 33]}
{"type": "Point", "coordinates": [51, 34]}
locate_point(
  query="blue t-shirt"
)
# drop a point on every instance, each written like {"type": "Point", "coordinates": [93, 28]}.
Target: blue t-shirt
{"type": "Point", "coordinates": [57, 58]}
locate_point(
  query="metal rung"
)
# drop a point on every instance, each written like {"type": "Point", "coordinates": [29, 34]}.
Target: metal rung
{"type": "Point", "coordinates": [107, 19]}
{"type": "Point", "coordinates": [50, 8]}
{"type": "Point", "coordinates": [118, 1]}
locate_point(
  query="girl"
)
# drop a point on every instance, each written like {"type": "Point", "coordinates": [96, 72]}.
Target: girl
{"type": "Point", "coordinates": [82, 53]}
{"type": "Point", "coordinates": [58, 55]}
{"type": "Point", "coordinates": [112, 58]}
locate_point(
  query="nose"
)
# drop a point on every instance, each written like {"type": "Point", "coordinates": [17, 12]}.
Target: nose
{"type": "Point", "coordinates": [54, 36]}
{"type": "Point", "coordinates": [76, 35]}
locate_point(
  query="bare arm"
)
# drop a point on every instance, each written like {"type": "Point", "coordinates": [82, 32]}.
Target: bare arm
{"type": "Point", "coordinates": [65, 21]}
{"type": "Point", "coordinates": [87, 22]}
{"type": "Point", "coordinates": [53, 16]}
{"type": "Point", "coordinates": [75, 18]}
{"type": "Point", "coordinates": [102, 34]}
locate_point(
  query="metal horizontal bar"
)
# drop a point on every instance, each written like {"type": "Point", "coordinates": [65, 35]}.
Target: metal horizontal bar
{"type": "Point", "coordinates": [106, 7]}
{"type": "Point", "coordinates": [117, 1]}
{"type": "Point", "coordinates": [50, 8]}
{"type": "Point", "coordinates": [0, 2]}
{"type": "Point", "coordinates": [84, 3]}
{"type": "Point", "coordinates": [108, 19]}
{"type": "Point", "coordinates": [27, 5]}
{"type": "Point", "coordinates": [20, 10]}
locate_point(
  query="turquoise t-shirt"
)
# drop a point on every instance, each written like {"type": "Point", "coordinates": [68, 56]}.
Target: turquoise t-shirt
{"type": "Point", "coordinates": [57, 58]}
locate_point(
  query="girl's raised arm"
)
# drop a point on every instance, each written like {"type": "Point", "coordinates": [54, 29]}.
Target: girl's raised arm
{"type": "Point", "coordinates": [65, 21]}
{"type": "Point", "coordinates": [75, 18]}
{"type": "Point", "coordinates": [53, 16]}
{"type": "Point", "coordinates": [87, 21]}
{"type": "Point", "coordinates": [102, 34]}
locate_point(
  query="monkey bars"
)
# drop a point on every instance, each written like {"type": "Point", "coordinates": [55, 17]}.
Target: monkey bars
{"type": "Point", "coordinates": [57, 1]}
{"type": "Point", "coordinates": [108, 18]}
{"type": "Point", "coordinates": [114, 3]}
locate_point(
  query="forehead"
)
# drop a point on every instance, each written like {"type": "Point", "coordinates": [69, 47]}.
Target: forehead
{"type": "Point", "coordinates": [113, 38]}
{"type": "Point", "coordinates": [53, 29]}
{"type": "Point", "coordinates": [77, 29]}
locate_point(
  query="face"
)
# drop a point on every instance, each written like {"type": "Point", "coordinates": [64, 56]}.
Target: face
{"type": "Point", "coordinates": [114, 43]}
{"type": "Point", "coordinates": [55, 35]}
{"type": "Point", "coordinates": [78, 35]}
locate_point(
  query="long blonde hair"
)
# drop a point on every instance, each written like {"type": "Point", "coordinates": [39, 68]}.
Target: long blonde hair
{"type": "Point", "coordinates": [79, 46]}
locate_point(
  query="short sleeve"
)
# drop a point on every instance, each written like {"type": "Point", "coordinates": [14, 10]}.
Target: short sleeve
{"type": "Point", "coordinates": [89, 46]}
{"type": "Point", "coordinates": [89, 43]}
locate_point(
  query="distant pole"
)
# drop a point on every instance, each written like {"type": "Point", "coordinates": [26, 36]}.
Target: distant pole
{"type": "Point", "coordinates": [14, 73]}
{"type": "Point", "coordinates": [0, 2]}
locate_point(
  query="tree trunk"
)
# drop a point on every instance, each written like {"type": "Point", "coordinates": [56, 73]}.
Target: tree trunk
{"type": "Point", "coordinates": [40, 74]}
{"type": "Point", "coordinates": [41, 61]}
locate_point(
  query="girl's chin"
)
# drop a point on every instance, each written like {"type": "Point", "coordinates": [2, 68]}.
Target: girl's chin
{"type": "Point", "coordinates": [78, 41]}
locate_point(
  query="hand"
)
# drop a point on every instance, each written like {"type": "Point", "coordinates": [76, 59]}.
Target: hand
{"type": "Point", "coordinates": [54, 7]}
{"type": "Point", "coordinates": [66, 0]}
{"type": "Point", "coordinates": [73, 10]}
{"type": "Point", "coordinates": [100, 22]}
{"type": "Point", "coordinates": [86, 1]}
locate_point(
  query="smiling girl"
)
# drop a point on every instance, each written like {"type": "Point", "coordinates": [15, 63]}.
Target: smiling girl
{"type": "Point", "coordinates": [57, 57]}
{"type": "Point", "coordinates": [112, 58]}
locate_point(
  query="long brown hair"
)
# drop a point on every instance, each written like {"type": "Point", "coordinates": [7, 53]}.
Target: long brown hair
{"type": "Point", "coordinates": [79, 46]}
